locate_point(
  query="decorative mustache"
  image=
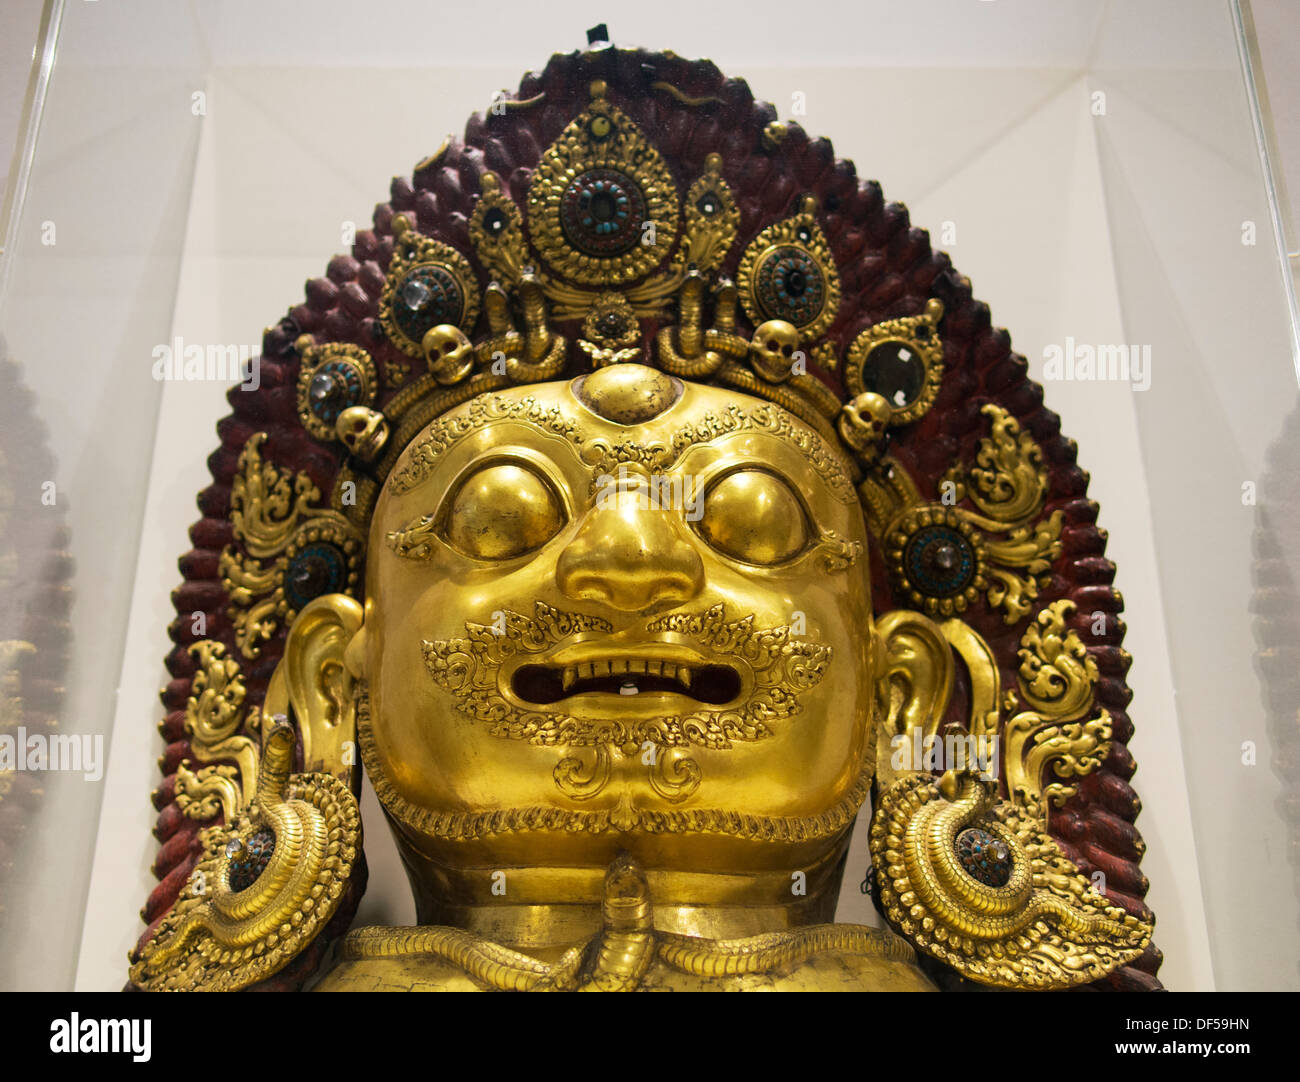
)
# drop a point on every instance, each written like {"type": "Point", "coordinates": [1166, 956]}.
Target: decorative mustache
{"type": "Point", "coordinates": [706, 680]}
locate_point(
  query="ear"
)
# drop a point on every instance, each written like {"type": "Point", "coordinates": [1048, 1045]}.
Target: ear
{"type": "Point", "coordinates": [914, 672]}
{"type": "Point", "coordinates": [314, 680]}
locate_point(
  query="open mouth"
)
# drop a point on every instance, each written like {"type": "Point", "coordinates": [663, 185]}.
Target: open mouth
{"type": "Point", "coordinates": [546, 684]}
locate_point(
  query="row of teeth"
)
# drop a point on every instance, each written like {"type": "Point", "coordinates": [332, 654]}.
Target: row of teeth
{"type": "Point", "coordinates": [591, 669]}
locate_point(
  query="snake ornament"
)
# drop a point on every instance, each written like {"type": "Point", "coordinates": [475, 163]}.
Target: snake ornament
{"type": "Point", "coordinates": [979, 884]}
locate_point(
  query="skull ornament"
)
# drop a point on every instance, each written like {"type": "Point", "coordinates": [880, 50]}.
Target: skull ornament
{"type": "Point", "coordinates": [862, 425]}
{"type": "Point", "coordinates": [448, 353]}
{"type": "Point", "coordinates": [363, 431]}
{"type": "Point", "coordinates": [772, 350]}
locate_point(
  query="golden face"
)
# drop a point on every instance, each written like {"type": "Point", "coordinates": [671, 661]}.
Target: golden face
{"type": "Point", "coordinates": [626, 607]}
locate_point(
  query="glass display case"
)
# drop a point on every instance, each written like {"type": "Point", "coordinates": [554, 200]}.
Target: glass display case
{"type": "Point", "coordinates": [1099, 171]}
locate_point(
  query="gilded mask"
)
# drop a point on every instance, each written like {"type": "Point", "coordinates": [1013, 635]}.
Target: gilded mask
{"type": "Point", "coordinates": [655, 497]}
{"type": "Point", "coordinates": [633, 621]}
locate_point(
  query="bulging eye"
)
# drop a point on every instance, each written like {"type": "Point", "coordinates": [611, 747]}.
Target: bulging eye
{"type": "Point", "coordinates": [502, 511]}
{"type": "Point", "coordinates": [752, 515]}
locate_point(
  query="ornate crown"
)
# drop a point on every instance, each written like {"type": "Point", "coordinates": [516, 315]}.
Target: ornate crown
{"type": "Point", "coordinates": [594, 253]}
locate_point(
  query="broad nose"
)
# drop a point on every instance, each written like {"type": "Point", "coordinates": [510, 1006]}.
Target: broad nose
{"type": "Point", "coordinates": [630, 556]}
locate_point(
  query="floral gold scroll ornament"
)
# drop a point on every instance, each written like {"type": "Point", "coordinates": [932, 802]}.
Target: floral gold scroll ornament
{"type": "Point", "coordinates": [311, 550]}
{"type": "Point", "coordinates": [213, 723]}
{"type": "Point", "coordinates": [941, 556]}
{"type": "Point", "coordinates": [1056, 680]}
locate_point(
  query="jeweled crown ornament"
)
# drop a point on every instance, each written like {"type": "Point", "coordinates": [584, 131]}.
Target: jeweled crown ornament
{"type": "Point", "coordinates": [652, 495]}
